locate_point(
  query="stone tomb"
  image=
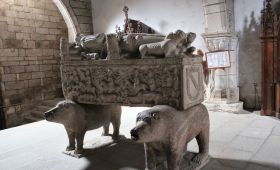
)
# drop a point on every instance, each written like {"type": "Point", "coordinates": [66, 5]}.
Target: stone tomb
{"type": "Point", "coordinates": [176, 81]}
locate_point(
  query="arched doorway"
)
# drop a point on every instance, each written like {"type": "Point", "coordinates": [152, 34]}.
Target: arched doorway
{"type": "Point", "coordinates": [29, 54]}
{"type": "Point", "coordinates": [69, 18]}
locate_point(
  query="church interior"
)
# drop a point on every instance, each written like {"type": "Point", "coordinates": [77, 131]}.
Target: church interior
{"type": "Point", "coordinates": [199, 78]}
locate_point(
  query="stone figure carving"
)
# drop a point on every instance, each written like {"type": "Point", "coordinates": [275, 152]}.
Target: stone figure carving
{"type": "Point", "coordinates": [78, 118]}
{"type": "Point", "coordinates": [173, 45]}
{"type": "Point", "coordinates": [166, 132]}
{"type": "Point", "coordinates": [118, 46]}
{"type": "Point", "coordinates": [113, 50]}
{"type": "Point", "coordinates": [129, 44]}
{"type": "Point", "coordinates": [110, 46]}
{"type": "Point", "coordinates": [90, 45]}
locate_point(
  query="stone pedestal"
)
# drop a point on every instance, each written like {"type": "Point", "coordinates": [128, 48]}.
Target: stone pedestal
{"type": "Point", "coordinates": [219, 36]}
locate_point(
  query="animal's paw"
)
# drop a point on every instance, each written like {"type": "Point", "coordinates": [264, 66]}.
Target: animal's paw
{"type": "Point", "coordinates": [199, 158]}
{"type": "Point", "coordinates": [192, 166]}
{"type": "Point", "coordinates": [197, 161]}
{"type": "Point", "coordinates": [78, 151]}
{"type": "Point", "coordinates": [70, 148]}
{"type": "Point", "coordinates": [116, 137]}
{"type": "Point", "coordinates": [105, 134]}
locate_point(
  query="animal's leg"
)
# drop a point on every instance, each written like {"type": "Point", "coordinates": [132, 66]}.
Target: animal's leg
{"type": "Point", "coordinates": [174, 157]}
{"type": "Point", "coordinates": [169, 49]}
{"type": "Point", "coordinates": [203, 144]}
{"type": "Point", "coordinates": [106, 129]}
{"type": "Point", "coordinates": [143, 50]}
{"type": "Point", "coordinates": [150, 157]}
{"type": "Point", "coordinates": [80, 141]}
{"type": "Point", "coordinates": [116, 122]}
{"type": "Point", "coordinates": [71, 138]}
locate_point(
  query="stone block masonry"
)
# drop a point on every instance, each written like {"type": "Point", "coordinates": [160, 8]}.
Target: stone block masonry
{"type": "Point", "coordinates": [82, 11]}
{"type": "Point", "coordinates": [29, 53]}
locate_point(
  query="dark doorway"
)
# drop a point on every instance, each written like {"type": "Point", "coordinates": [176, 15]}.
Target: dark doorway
{"type": "Point", "coordinates": [2, 114]}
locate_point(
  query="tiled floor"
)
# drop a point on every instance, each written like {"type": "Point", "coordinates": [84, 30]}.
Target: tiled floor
{"type": "Point", "coordinates": [243, 141]}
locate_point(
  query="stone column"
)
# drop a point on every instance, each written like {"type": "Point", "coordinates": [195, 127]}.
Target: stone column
{"type": "Point", "coordinates": [220, 35]}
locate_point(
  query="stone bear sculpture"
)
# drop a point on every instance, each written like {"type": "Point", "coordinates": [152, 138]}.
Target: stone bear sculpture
{"type": "Point", "coordinates": [166, 132]}
{"type": "Point", "coordinates": [78, 118]}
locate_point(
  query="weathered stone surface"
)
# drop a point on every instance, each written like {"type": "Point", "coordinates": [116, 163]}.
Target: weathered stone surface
{"type": "Point", "coordinates": [76, 125]}
{"type": "Point", "coordinates": [34, 82]}
{"type": "Point", "coordinates": [166, 133]}
{"type": "Point", "coordinates": [9, 77]}
{"type": "Point", "coordinates": [29, 34]}
{"type": "Point", "coordinates": [146, 82]}
{"type": "Point", "coordinates": [32, 68]}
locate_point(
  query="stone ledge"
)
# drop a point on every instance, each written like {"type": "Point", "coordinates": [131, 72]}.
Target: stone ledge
{"type": "Point", "coordinates": [224, 107]}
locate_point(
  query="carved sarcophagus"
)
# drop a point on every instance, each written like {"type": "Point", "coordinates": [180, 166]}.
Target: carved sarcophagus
{"type": "Point", "coordinates": [177, 82]}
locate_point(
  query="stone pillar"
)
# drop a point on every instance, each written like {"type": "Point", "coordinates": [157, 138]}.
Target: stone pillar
{"type": "Point", "coordinates": [220, 35]}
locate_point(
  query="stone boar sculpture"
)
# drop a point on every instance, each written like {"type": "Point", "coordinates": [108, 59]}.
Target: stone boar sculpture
{"type": "Point", "coordinates": [78, 118]}
{"type": "Point", "coordinates": [166, 132]}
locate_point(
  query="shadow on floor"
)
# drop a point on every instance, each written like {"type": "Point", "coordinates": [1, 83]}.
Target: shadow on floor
{"type": "Point", "coordinates": [227, 164]}
{"type": "Point", "coordinates": [127, 155]}
{"type": "Point", "coordinates": [123, 155]}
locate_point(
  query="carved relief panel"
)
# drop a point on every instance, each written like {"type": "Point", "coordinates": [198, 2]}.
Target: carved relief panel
{"type": "Point", "coordinates": [174, 82]}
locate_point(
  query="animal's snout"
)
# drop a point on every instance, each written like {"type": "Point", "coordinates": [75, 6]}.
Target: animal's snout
{"type": "Point", "coordinates": [48, 114]}
{"type": "Point", "coordinates": [134, 134]}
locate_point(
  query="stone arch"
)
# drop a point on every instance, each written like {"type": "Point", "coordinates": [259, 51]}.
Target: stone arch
{"type": "Point", "coordinates": [77, 16]}
{"type": "Point", "coordinates": [69, 18]}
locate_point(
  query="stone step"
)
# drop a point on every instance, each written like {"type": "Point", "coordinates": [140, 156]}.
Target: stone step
{"type": "Point", "coordinates": [37, 113]}
{"type": "Point", "coordinates": [31, 119]}
{"type": "Point", "coordinates": [51, 103]}
{"type": "Point", "coordinates": [42, 108]}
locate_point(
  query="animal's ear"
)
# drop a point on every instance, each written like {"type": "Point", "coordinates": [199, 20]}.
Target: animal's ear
{"type": "Point", "coordinates": [155, 115]}
{"type": "Point", "coordinates": [67, 105]}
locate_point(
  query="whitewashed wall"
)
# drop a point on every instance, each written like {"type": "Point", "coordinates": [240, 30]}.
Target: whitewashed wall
{"type": "Point", "coordinates": [163, 16]}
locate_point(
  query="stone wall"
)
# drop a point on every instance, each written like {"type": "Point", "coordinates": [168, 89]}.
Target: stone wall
{"type": "Point", "coordinates": [77, 15]}
{"type": "Point", "coordinates": [29, 54]}
{"type": "Point", "coordinates": [82, 11]}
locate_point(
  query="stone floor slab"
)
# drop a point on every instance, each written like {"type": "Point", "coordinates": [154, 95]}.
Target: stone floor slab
{"type": "Point", "coordinates": [235, 143]}
{"type": "Point", "coordinates": [276, 130]}
{"type": "Point", "coordinates": [269, 153]}
{"type": "Point", "coordinates": [255, 132]}
{"type": "Point", "coordinates": [254, 166]}
{"type": "Point", "coordinates": [237, 159]}
{"type": "Point", "coordinates": [264, 122]}
{"type": "Point", "coordinates": [247, 144]}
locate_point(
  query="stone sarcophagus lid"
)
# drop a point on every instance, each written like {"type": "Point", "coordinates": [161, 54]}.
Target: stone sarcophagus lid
{"type": "Point", "coordinates": [177, 82]}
